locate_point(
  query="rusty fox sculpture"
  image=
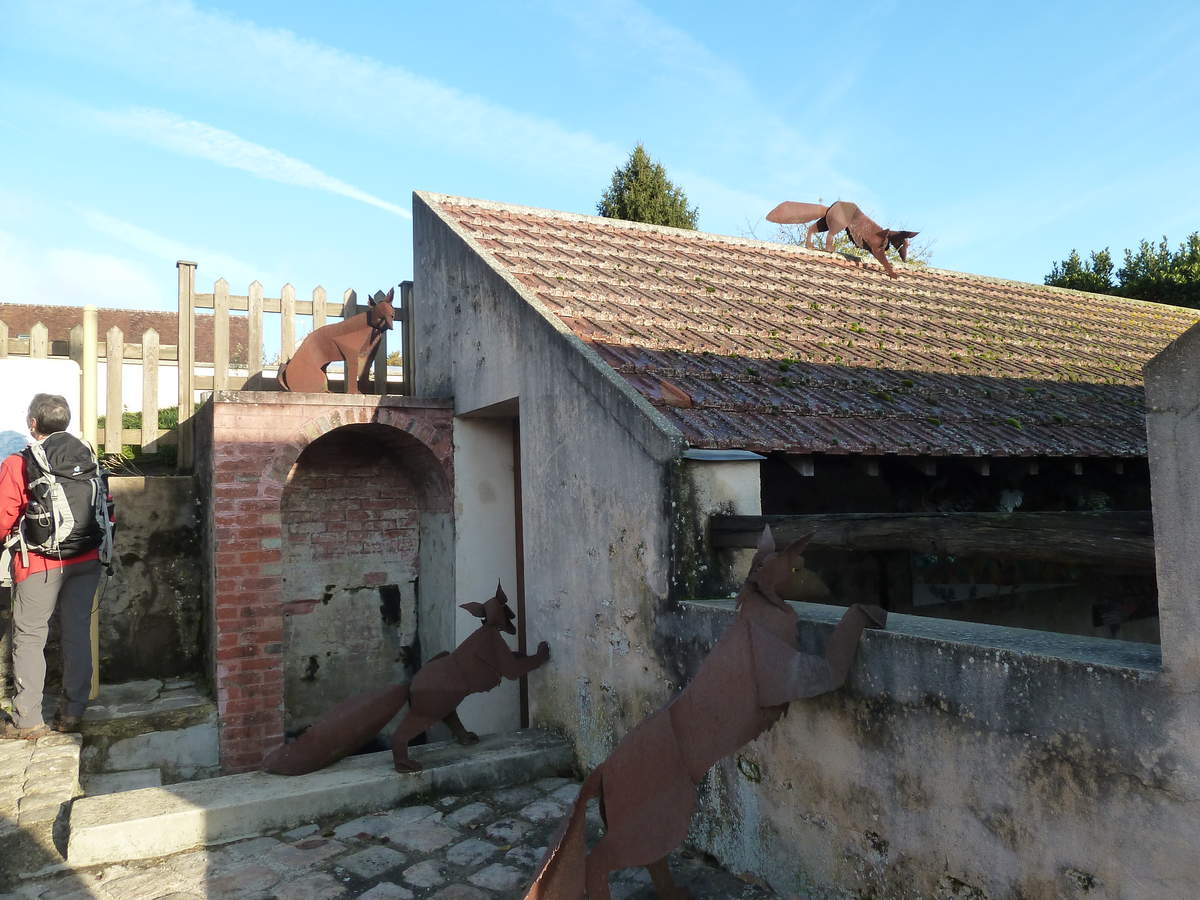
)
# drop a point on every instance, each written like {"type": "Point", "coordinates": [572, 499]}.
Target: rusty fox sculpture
{"type": "Point", "coordinates": [353, 341]}
{"type": "Point", "coordinates": [647, 786]}
{"type": "Point", "coordinates": [475, 665]}
{"type": "Point", "coordinates": [865, 234]}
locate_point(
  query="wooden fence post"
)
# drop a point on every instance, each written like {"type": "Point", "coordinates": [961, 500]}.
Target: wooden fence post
{"type": "Point", "coordinates": [220, 335]}
{"type": "Point", "coordinates": [287, 332]}
{"type": "Point", "coordinates": [88, 365]}
{"type": "Point", "coordinates": [114, 408]}
{"type": "Point", "coordinates": [254, 329]}
{"type": "Point", "coordinates": [39, 341]}
{"type": "Point", "coordinates": [150, 391]}
{"type": "Point", "coordinates": [3, 341]}
{"type": "Point", "coordinates": [318, 302]}
{"type": "Point", "coordinates": [186, 356]}
{"type": "Point", "coordinates": [408, 358]}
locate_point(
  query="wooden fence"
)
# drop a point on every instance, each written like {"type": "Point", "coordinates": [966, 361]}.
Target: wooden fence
{"type": "Point", "coordinates": [222, 373]}
{"type": "Point", "coordinates": [223, 304]}
{"type": "Point", "coordinates": [84, 347]}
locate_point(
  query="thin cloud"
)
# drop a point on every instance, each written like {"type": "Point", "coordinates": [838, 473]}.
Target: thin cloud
{"type": "Point", "coordinates": [68, 275]}
{"type": "Point", "coordinates": [198, 139]}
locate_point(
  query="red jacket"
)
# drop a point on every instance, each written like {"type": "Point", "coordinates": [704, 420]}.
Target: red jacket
{"type": "Point", "coordinates": [12, 504]}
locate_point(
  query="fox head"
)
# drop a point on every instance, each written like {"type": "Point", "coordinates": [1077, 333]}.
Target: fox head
{"type": "Point", "coordinates": [494, 612]}
{"type": "Point", "coordinates": [380, 313]}
{"type": "Point", "coordinates": [898, 240]}
{"type": "Point", "coordinates": [773, 570]}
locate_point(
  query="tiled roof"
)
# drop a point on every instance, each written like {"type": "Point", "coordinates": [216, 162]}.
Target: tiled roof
{"type": "Point", "coordinates": [59, 320]}
{"type": "Point", "coordinates": [770, 347]}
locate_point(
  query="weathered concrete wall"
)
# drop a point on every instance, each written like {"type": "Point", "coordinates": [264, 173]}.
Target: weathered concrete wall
{"type": "Point", "coordinates": [152, 610]}
{"type": "Point", "coordinates": [597, 484]}
{"type": "Point", "coordinates": [961, 760]}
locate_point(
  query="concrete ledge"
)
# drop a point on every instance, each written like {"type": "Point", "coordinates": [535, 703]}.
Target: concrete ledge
{"type": "Point", "coordinates": [37, 781]}
{"type": "Point", "coordinates": [157, 821]}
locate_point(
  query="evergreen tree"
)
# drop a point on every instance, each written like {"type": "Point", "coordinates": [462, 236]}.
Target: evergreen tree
{"type": "Point", "coordinates": [1153, 272]}
{"type": "Point", "coordinates": [641, 192]}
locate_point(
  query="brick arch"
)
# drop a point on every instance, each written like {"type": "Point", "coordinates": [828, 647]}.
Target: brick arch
{"type": "Point", "coordinates": [255, 441]}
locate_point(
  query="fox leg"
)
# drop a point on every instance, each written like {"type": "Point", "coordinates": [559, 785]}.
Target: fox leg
{"type": "Point", "coordinates": [815, 228]}
{"type": "Point", "coordinates": [601, 860]}
{"type": "Point", "coordinates": [405, 732]}
{"type": "Point", "coordinates": [454, 723]}
{"type": "Point", "coordinates": [664, 885]}
{"type": "Point", "coordinates": [842, 644]}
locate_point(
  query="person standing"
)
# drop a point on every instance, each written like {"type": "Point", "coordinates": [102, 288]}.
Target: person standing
{"type": "Point", "coordinates": [55, 516]}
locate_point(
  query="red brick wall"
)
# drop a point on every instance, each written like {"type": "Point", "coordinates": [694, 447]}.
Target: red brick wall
{"type": "Point", "coordinates": [256, 439]}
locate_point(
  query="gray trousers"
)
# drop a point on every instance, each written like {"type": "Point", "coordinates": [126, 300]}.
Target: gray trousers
{"type": "Point", "coordinates": [72, 589]}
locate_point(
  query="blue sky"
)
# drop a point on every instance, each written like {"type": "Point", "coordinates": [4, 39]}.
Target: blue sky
{"type": "Point", "coordinates": [282, 141]}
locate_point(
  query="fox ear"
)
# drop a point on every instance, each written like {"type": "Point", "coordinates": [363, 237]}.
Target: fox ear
{"type": "Point", "coordinates": [766, 541]}
{"type": "Point", "coordinates": [795, 548]}
{"type": "Point", "coordinates": [390, 294]}
{"type": "Point", "coordinates": [475, 609]}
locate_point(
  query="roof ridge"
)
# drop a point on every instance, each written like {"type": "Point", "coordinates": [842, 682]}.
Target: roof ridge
{"type": "Point", "coordinates": [694, 234]}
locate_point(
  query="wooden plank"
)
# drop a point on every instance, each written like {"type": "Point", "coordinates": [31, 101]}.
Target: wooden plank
{"type": "Point", "coordinates": [187, 361]}
{"type": "Point", "coordinates": [236, 382]}
{"type": "Point", "coordinates": [1113, 538]}
{"type": "Point", "coordinates": [408, 356]}
{"type": "Point", "coordinates": [380, 373]}
{"type": "Point", "coordinates": [287, 326]}
{"type": "Point", "coordinates": [240, 303]}
{"type": "Point", "coordinates": [254, 330]}
{"type": "Point", "coordinates": [149, 433]}
{"type": "Point", "coordinates": [39, 341]}
{"type": "Point", "coordinates": [3, 340]}
{"type": "Point", "coordinates": [75, 344]}
{"type": "Point", "coordinates": [220, 334]}
{"type": "Point", "coordinates": [163, 437]}
{"type": "Point", "coordinates": [114, 406]}
{"type": "Point", "coordinates": [319, 307]}
{"type": "Point", "coordinates": [349, 304]}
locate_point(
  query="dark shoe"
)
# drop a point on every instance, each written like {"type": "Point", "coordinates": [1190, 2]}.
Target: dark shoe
{"type": "Point", "coordinates": [10, 732]}
{"type": "Point", "coordinates": [67, 724]}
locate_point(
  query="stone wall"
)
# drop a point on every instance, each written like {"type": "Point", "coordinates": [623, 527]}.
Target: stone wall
{"type": "Point", "coordinates": [256, 440]}
{"type": "Point", "coordinates": [151, 609]}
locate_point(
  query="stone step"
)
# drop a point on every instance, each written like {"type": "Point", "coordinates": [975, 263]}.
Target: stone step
{"type": "Point", "coordinates": [158, 821]}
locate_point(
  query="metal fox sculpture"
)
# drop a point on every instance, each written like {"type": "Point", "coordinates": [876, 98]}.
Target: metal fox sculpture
{"type": "Point", "coordinates": [865, 234]}
{"type": "Point", "coordinates": [354, 342]}
{"type": "Point", "coordinates": [475, 665]}
{"type": "Point", "coordinates": [647, 786]}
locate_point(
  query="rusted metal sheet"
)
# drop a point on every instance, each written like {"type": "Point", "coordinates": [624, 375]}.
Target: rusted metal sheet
{"type": "Point", "coordinates": [353, 342]}
{"type": "Point", "coordinates": [777, 348]}
{"type": "Point", "coordinates": [647, 786]}
{"type": "Point", "coordinates": [476, 665]}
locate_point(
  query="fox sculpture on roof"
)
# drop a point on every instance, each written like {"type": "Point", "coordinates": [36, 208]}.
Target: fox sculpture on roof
{"type": "Point", "coordinates": [647, 786]}
{"type": "Point", "coordinates": [865, 234]}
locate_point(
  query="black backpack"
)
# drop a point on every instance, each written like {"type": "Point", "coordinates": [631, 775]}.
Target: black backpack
{"type": "Point", "coordinates": [69, 508]}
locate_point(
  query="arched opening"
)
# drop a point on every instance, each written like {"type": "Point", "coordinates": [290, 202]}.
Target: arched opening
{"type": "Point", "coordinates": [366, 566]}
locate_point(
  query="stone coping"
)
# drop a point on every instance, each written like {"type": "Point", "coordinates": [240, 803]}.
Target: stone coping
{"type": "Point", "coordinates": [281, 398]}
{"type": "Point", "coordinates": [1026, 641]}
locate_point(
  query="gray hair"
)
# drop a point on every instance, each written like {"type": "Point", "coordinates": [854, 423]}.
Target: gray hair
{"type": "Point", "coordinates": [49, 413]}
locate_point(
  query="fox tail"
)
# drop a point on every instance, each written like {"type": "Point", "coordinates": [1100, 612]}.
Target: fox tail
{"type": "Point", "coordinates": [338, 733]}
{"type": "Point", "coordinates": [561, 876]}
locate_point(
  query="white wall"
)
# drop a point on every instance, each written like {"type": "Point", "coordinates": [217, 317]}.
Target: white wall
{"type": "Point", "coordinates": [484, 521]}
{"type": "Point", "coordinates": [20, 379]}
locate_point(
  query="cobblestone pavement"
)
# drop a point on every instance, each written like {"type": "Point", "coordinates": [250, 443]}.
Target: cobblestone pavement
{"type": "Point", "coordinates": [474, 846]}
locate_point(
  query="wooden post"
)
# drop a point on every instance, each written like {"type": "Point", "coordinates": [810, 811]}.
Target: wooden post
{"type": "Point", "coordinates": [186, 355]}
{"type": "Point", "coordinates": [88, 364]}
{"type": "Point", "coordinates": [408, 357]}
{"type": "Point", "coordinates": [39, 341]}
{"type": "Point", "coordinates": [318, 302]}
{"type": "Point", "coordinates": [150, 391]}
{"type": "Point", "coordinates": [3, 341]}
{"type": "Point", "coordinates": [220, 335]}
{"type": "Point", "coordinates": [114, 408]}
{"type": "Point", "coordinates": [287, 338]}
{"type": "Point", "coordinates": [254, 329]}
{"type": "Point", "coordinates": [95, 639]}
{"type": "Point", "coordinates": [381, 364]}
{"type": "Point", "coordinates": [75, 345]}
{"type": "Point", "coordinates": [349, 310]}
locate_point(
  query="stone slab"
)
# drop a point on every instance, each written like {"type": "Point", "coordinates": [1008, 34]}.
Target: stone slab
{"type": "Point", "coordinates": [41, 778]}
{"type": "Point", "coordinates": [157, 821]}
{"type": "Point", "coordinates": [115, 782]}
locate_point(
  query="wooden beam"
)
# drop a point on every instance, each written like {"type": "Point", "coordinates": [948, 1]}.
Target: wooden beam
{"type": "Point", "coordinates": [1112, 538]}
